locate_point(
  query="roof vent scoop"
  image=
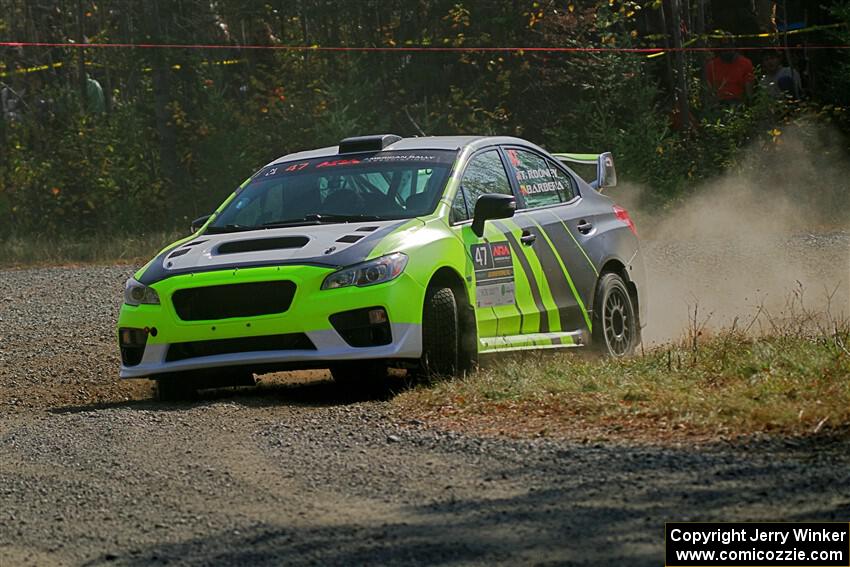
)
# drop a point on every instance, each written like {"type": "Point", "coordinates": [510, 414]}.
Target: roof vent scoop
{"type": "Point", "coordinates": [360, 144]}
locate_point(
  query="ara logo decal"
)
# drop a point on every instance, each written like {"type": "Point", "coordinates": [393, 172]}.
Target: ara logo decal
{"type": "Point", "coordinates": [337, 162]}
{"type": "Point", "coordinates": [500, 250]}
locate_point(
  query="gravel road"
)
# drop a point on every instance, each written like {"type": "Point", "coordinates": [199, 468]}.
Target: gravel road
{"type": "Point", "coordinates": [93, 471]}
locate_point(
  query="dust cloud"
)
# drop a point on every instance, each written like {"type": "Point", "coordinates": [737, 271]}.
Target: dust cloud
{"type": "Point", "coordinates": [773, 237]}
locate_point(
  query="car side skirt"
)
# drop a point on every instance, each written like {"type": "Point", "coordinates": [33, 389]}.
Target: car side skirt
{"type": "Point", "coordinates": [532, 341]}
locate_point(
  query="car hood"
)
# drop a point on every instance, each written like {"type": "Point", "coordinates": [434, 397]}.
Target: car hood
{"type": "Point", "coordinates": [331, 245]}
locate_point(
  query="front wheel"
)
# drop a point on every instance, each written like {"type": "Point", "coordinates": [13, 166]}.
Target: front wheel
{"type": "Point", "coordinates": [182, 386]}
{"type": "Point", "coordinates": [615, 326]}
{"type": "Point", "coordinates": [440, 337]}
{"type": "Point", "coordinates": [361, 374]}
{"type": "Point", "coordinates": [176, 388]}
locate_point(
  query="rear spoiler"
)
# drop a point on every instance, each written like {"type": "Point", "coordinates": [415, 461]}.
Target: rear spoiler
{"type": "Point", "coordinates": [606, 174]}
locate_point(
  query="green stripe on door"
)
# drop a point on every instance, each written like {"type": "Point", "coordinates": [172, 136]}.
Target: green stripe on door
{"type": "Point", "coordinates": [551, 307]}
{"type": "Point", "coordinates": [566, 273]}
{"type": "Point", "coordinates": [568, 231]}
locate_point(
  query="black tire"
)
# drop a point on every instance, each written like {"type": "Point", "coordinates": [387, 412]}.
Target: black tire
{"type": "Point", "coordinates": [616, 331]}
{"type": "Point", "coordinates": [366, 374]}
{"type": "Point", "coordinates": [440, 337]}
{"type": "Point", "coordinates": [185, 385]}
{"type": "Point", "coordinates": [224, 379]}
{"type": "Point", "coordinates": [176, 388]}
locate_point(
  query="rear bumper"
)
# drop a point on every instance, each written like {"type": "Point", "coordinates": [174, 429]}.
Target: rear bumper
{"type": "Point", "coordinates": [637, 275]}
{"type": "Point", "coordinates": [309, 314]}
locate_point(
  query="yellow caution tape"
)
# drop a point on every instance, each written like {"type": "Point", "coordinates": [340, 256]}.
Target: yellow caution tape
{"type": "Point", "coordinates": [717, 34]}
{"type": "Point", "coordinates": [39, 68]}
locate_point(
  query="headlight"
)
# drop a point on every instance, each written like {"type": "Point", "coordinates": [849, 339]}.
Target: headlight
{"type": "Point", "coordinates": [136, 293]}
{"type": "Point", "coordinates": [373, 272]}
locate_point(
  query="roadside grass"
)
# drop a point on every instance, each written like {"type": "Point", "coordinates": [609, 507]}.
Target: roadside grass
{"type": "Point", "coordinates": [52, 249]}
{"type": "Point", "coordinates": [718, 386]}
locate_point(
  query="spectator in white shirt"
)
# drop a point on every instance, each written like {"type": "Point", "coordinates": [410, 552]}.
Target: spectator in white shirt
{"type": "Point", "coordinates": [780, 81]}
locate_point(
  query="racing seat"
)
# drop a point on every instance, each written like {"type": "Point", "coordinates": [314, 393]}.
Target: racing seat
{"type": "Point", "coordinates": [343, 201]}
{"type": "Point", "coordinates": [420, 202]}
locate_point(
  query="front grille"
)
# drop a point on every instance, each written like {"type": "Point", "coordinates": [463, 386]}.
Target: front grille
{"type": "Point", "coordinates": [233, 300]}
{"type": "Point", "coordinates": [196, 349]}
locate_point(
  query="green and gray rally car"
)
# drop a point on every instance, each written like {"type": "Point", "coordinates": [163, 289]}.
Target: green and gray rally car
{"type": "Point", "coordinates": [421, 253]}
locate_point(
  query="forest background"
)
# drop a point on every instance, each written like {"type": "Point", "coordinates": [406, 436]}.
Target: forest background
{"type": "Point", "coordinates": [179, 128]}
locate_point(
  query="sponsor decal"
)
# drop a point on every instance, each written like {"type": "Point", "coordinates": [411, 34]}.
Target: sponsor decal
{"type": "Point", "coordinates": [399, 157]}
{"type": "Point", "coordinates": [338, 162]}
{"type": "Point", "coordinates": [494, 274]}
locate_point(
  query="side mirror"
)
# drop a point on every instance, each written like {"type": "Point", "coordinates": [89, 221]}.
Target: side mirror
{"type": "Point", "coordinates": [606, 174]}
{"type": "Point", "coordinates": [199, 222]}
{"type": "Point", "coordinates": [492, 206]}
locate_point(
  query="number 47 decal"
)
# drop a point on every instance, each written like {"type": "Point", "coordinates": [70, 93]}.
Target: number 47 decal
{"type": "Point", "coordinates": [481, 255]}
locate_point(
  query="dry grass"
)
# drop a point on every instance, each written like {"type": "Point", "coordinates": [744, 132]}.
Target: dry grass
{"type": "Point", "coordinates": [55, 250]}
{"type": "Point", "coordinates": [791, 377]}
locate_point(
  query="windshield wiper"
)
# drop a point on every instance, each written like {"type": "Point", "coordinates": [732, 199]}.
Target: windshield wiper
{"type": "Point", "coordinates": [320, 218]}
{"type": "Point", "coordinates": [230, 228]}
{"type": "Point", "coordinates": [312, 218]}
{"type": "Point", "coordinates": [329, 217]}
{"type": "Point", "coordinates": [285, 223]}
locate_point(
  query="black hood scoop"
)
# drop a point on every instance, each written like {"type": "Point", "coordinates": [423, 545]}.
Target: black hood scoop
{"type": "Point", "coordinates": [260, 244]}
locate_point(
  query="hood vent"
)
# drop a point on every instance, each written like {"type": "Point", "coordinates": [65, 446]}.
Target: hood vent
{"type": "Point", "coordinates": [179, 252]}
{"type": "Point", "coordinates": [262, 244]}
{"type": "Point", "coordinates": [367, 229]}
{"type": "Point", "coordinates": [349, 238]}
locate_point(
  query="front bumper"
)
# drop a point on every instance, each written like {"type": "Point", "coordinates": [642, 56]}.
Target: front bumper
{"type": "Point", "coordinates": [309, 314]}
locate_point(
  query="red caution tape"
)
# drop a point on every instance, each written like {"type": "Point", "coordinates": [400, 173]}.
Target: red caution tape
{"type": "Point", "coordinates": [407, 49]}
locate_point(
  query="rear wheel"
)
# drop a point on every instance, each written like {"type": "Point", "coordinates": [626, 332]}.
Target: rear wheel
{"type": "Point", "coordinates": [615, 326]}
{"type": "Point", "coordinates": [440, 338]}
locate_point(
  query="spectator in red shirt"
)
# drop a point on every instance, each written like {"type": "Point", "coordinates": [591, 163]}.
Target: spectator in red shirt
{"type": "Point", "coordinates": [729, 75]}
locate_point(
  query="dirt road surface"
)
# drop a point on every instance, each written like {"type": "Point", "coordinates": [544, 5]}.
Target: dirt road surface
{"type": "Point", "coordinates": [95, 472]}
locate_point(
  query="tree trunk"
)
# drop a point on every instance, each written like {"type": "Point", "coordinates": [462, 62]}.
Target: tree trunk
{"type": "Point", "coordinates": [671, 80]}
{"type": "Point", "coordinates": [81, 56]}
{"type": "Point", "coordinates": [700, 21]}
{"type": "Point", "coordinates": [681, 68]}
{"type": "Point", "coordinates": [162, 98]}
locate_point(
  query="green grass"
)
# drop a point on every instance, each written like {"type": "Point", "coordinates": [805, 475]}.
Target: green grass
{"type": "Point", "coordinates": [52, 249]}
{"type": "Point", "coordinates": [728, 384]}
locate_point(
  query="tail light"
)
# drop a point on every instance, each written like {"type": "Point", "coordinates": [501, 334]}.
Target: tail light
{"type": "Point", "coordinates": [623, 215]}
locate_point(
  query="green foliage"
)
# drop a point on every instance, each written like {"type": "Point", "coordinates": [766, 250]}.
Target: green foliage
{"type": "Point", "coordinates": [837, 90]}
{"type": "Point", "coordinates": [185, 127]}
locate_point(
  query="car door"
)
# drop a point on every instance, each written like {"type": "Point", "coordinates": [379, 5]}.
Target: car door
{"type": "Point", "coordinates": [549, 212]}
{"type": "Point", "coordinates": [502, 291]}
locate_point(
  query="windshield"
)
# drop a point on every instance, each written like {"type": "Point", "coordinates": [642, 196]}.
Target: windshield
{"type": "Point", "coordinates": [377, 186]}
